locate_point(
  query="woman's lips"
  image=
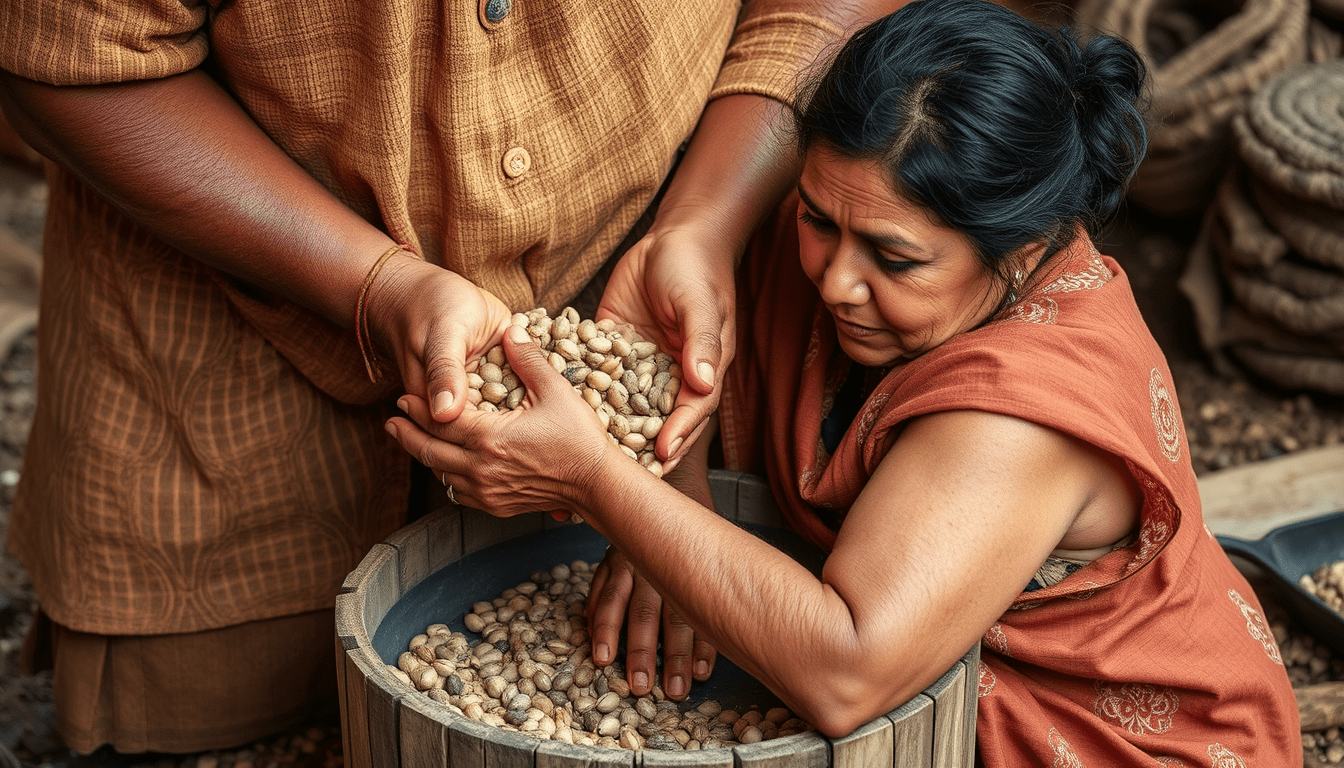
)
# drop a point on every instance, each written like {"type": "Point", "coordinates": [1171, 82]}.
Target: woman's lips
{"type": "Point", "coordinates": [854, 330]}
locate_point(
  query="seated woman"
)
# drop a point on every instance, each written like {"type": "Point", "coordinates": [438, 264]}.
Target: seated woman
{"type": "Point", "coordinates": [956, 395]}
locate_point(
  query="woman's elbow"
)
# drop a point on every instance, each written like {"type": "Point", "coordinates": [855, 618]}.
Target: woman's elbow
{"type": "Point", "coordinates": [847, 700]}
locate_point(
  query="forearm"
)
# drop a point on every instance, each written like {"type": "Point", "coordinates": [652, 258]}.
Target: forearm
{"type": "Point", "coordinates": [182, 158]}
{"type": "Point", "coordinates": [742, 160]}
{"type": "Point", "coordinates": [753, 603]}
{"type": "Point", "coordinates": [738, 165]}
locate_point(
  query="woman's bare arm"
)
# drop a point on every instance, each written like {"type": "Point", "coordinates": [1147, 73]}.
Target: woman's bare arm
{"type": "Point", "coordinates": [957, 518]}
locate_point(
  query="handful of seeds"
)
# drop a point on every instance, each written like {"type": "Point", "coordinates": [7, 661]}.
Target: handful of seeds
{"type": "Point", "coordinates": [532, 672]}
{"type": "Point", "coordinates": [629, 384]}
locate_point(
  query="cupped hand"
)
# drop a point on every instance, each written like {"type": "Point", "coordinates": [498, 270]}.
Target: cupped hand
{"type": "Point", "coordinates": [676, 288]}
{"type": "Point", "coordinates": [546, 454]}
{"type": "Point", "coordinates": [434, 322]}
{"type": "Point", "coordinates": [620, 596]}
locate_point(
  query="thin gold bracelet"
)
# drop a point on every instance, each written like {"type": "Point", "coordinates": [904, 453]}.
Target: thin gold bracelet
{"type": "Point", "coordinates": [371, 362]}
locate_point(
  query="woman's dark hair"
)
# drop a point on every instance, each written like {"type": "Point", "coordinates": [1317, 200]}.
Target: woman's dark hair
{"type": "Point", "coordinates": [1007, 131]}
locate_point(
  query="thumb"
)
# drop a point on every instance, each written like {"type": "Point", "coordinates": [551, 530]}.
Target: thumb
{"type": "Point", "coordinates": [447, 376]}
{"type": "Point", "coordinates": [703, 327]}
{"type": "Point", "coordinates": [529, 363]}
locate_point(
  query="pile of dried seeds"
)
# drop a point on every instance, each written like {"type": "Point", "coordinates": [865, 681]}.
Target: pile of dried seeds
{"type": "Point", "coordinates": [532, 672]}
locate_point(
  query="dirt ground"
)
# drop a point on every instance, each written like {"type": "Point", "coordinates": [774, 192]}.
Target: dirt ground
{"type": "Point", "coordinates": [1229, 421]}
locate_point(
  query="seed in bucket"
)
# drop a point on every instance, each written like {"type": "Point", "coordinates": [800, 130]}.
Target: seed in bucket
{"type": "Point", "coordinates": [538, 677]}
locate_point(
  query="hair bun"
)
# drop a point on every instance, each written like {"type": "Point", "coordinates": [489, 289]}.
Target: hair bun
{"type": "Point", "coordinates": [1106, 85]}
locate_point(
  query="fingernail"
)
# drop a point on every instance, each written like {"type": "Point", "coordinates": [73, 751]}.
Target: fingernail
{"type": "Point", "coordinates": [401, 404]}
{"type": "Point", "coordinates": [706, 372]}
{"type": "Point", "coordinates": [391, 429]}
{"type": "Point", "coordinates": [443, 401]}
{"type": "Point", "coordinates": [602, 653]}
{"type": "Point", "coordinates": [702, 668]}
{"type": "Point", "coordinates": [642, 680]}
{"type": "Point", "coordinates": [672, 449]}
{"type": "Point", "coordinates": [518, 335]}
{"type": "Point", "coordinates": [676, 686]}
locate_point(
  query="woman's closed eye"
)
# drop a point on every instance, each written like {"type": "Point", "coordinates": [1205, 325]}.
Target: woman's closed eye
{"type": "Point", "coordinates": [893, 263]}
{"type": "Point", "coordinates": [816, 222]}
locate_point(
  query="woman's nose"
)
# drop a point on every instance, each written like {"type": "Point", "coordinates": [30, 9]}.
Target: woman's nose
{"type": "Point", "coordinates": [843, 282]}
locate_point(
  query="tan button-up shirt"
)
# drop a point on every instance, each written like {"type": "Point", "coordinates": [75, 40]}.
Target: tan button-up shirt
{"type": "Point", "coordinates": [202, 458]}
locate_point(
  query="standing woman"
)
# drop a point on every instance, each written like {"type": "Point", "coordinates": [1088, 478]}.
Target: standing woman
{"type": "Point", "coordinates": [268, 219]}
{"type": "Point", "coordinates": [955, 394]}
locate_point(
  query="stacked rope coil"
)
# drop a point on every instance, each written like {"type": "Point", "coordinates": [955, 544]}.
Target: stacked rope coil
{"type": "Point", "coordinates": [1204, 62]}
{"type": "Point", "coordinates": [1266, 277]}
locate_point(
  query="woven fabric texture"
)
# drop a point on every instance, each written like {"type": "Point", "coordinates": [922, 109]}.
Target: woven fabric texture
{"type": "Point", "coordinates": [204, 456]}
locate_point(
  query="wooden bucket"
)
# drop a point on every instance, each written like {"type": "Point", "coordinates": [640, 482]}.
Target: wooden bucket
{"type": "Point", "coordinates": [385, 723]}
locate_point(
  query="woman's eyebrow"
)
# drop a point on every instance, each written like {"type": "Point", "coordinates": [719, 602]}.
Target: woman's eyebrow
{"type": "Point", "coordinates": [877, 238]}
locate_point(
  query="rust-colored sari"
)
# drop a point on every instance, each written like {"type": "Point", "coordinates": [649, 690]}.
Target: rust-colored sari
{"type": "Point", "coordinates": [1154, 654]}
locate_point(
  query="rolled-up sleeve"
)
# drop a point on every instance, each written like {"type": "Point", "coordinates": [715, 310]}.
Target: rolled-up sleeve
{"type": "Point", "coordinates": [772, 49]}
{"type": "Point", "coordinates": [86, 42]}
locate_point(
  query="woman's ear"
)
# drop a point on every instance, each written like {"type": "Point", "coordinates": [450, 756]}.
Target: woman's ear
{"type": "Point", "coordinates": [1029, 257]}
{"type": "Point", "coordinates": [1022, 264]}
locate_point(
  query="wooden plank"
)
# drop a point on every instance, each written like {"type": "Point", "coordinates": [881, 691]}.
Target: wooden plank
{"type": "Point", "coordinates": [699, 758]}
{"type": "Point", "coordinates": [557, 754]}
{"type": "Point", "coordinates": [382, 588]}
{"type": "Point", "coordinates": [949, 719]}
{"type": "Point", "coordinates": [445, 537]}
{"type": "Point", "coordinates": [723, 489]}
{"type": "Point", "coordinates": [804, 750]}
{"type": "Point", "coordinates": [412, 545]}
{"type": "Point", "coordinates": [384, 715]}
{"type": "Point", "coordinates": [357, 725]}
{"type": "Point", "coordinates": [507, 749]}
{"type": "Point", "coordinates": [349, 612]}
{"type": "Point", "coordinates": [972, 704]}
{"type": "Point", "coordinates": [377, 579]}
{"type": "Point", "coordinates": [381, 692]}
{"type": "Point", "coordinates": [424, 737]}
{"type": "Point", "coordinates": [756, 504]}
{"type": "Point", "coordinates": [427, 545]}
{"type": "Point", "coordinates": [466, 742]}
{"type": "Point", "coordinates": [354, 711]}
{"type": "Point", "coordinates": [912, 733]}
{"type": "Point", "coordinates": [360, 575]}
{"type": "Point", "coordinates": [870, 745]}
{"type": "Point", "coordinates": [480, 530]}
{"type": "Point", "coordinates": [341, 693]}
{"type": "Point", "coordinates": [1252, 500]}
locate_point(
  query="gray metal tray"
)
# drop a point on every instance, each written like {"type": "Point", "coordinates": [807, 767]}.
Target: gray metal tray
{"type": "Point", "coordinates": [1287, 554]}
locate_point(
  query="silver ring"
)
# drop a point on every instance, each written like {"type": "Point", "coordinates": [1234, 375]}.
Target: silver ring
{"type": "Point", "coordinates": [451, 497]}
{"type": "Point", "coordinates": [443, 478]}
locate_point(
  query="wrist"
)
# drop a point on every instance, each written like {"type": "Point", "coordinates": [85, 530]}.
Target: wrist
{"type": "Point", "coordinates": [381, 299]}
{"type": "Point", "coordinates": [703, 219]}
{"type": "Point", "coordinates": [737, 167]}
{"type": "Point", "coordinates": [609, 475]}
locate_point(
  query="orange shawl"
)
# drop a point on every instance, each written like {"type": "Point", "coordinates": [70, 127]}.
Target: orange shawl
{"type": "Point", "coordinates": [1154, 654]}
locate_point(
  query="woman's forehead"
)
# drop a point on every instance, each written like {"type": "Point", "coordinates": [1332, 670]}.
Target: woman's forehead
{"type": "Point", "coordinates": [859, 190]}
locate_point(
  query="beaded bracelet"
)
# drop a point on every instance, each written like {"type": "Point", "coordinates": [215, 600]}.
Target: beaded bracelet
{"type": "Point", "coordinates": [371, 363]}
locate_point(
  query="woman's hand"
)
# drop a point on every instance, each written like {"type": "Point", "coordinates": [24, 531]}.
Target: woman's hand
{"type": "Point", "coordinates": [435, 322]}
{"type": "Point", "coordinates": [549, 453]}
{"type": "Point", "coordinates": [676, 284]}
{"type": "Point", "coordinates": [676, 288]}
{"type": "Point", "coordinates": [621, 596]}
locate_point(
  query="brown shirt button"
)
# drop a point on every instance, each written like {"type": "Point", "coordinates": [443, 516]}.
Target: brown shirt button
{"type": "Point", "coordinates": [516, 162]}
